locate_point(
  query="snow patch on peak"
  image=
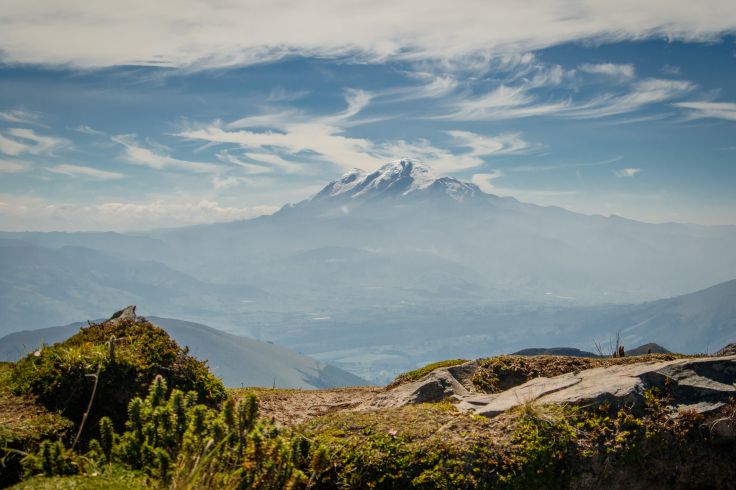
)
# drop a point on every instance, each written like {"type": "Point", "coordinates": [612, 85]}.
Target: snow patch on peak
{"type": "Point", "coordinates": [459, 191]}
{"type": "Point", "coordinates": [346, 183]}
{"type": "Point", "coordinates": [421, 175]}
{"type": "Point", "coordinates": [397, 178]}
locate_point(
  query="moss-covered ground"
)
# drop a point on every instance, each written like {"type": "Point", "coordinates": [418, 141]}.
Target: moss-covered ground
{"type": "Point", "coordinates": [320, 441]}
{"type": "Point", "coordinates": [23, 425]}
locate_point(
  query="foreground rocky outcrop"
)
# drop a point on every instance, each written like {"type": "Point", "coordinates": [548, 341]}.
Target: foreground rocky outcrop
{"type": "Point", "coordinates": [729, 350]}
{"type": "Point", "coordinates": [702, 385]}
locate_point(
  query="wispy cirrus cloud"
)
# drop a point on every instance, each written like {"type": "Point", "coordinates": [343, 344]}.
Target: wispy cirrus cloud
{"type": "Point", "coordinates": [287, 141]}
{"type": "Point", "coordinates": [84, 171]}
{"type": "Point", "coordinates": [14, 166]}
{"type": "Point", "coordinates": [615, 70]}
{"type": "Point", "coordinates": [268, 138]}
{"type": "Point", "coordinates": [480, 145]}
{"type": "Point", "coordinates": [85, 129]}
{"type": "Point", "coordinates": [627, 172]}
{"type": "Point", "coordinates": [522, 101]}
{"type": "Point", "coordinates": [707, 109]}
{"type": "Point", "coordinates": [19, 141]}
{"type": "Point", "coordinates": [21, 116]}
{"type": "Point", "coordinates": [157, 158]}
{"type": "Point", "coordinates": [484, 181]}
{"type": "Point", "coordinates": [222, 33]}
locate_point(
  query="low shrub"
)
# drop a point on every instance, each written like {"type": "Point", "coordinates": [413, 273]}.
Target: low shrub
{"type": "Point", "coordinates": [179, 443]}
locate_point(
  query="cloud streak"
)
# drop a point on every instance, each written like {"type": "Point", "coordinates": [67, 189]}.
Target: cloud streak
{"type": "Point", "coordinates": [21, 213]}
{"type": "Point", "coordinates": [156, 159]}
{"type": "Point", "coordinates": [523, 101]}
{"type": "Point", "coordinates": [288, 141]}
{"type": "Point", "coordinates": [714, 110]}
{"type": "Point", "coordinates": [82, 171]}
{"type": "Point", "coordinates": [222, 33]}
{"type": "Point", "coordinates": [14, 166]}
{"type": "Point", "coordinates": [626, 172]}
{"type": "Point", "coordinates": [609, 69]}
{"type": "Point", "coordinates": [19, 141]}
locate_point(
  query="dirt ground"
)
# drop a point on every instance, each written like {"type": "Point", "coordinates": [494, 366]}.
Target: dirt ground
{"type": "Point", "coordinates": [292, 407]}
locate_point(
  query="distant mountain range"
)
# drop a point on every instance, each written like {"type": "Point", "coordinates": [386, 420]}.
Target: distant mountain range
{"type": "Point", "coordinates": [383, 270]}
{"type": "Point", "coordinates": [238, 361]}
{"type": "Point", "coordinates": [650, 348]}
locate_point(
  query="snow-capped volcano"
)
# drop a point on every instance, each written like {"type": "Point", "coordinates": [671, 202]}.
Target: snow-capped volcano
{"type": "Point", "coordinates": [398, 178]}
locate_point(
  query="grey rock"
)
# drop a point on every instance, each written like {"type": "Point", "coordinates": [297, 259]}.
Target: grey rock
{"type": "Point", "coordinates": [702, 384]}
{"type": "Point", "coordinates": [126, 314]}
{"type": "Point", "coordinates": [440, 384]}
{"type": "Point", "coordinates": [729, 350]}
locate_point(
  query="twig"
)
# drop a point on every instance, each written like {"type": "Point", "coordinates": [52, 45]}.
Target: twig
{"type": "Point", "coordinates": [92, 397]}
{"type": "Point", "coordinates": [89, 405]}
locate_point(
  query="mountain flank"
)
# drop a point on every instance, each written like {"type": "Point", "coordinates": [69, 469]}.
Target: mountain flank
{"type": "Point", "coordinates": [238, 361]}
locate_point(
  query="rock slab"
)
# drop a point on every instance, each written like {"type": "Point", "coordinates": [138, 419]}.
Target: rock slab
{"type": "Point", "coordinates": [700, 384]}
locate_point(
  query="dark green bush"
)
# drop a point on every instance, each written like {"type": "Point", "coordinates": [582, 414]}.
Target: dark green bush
{"type": "Point", "coordinates": [125, 357]}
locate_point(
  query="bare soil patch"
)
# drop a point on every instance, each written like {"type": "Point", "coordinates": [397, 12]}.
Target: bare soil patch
{"type": "Point", "coordinates": [293, 407]}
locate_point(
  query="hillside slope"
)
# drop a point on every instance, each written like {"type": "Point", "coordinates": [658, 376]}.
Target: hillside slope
{"type": "Point", "coordinates": [702, 321]}
{"type": "Point", "coordinates": [238, 361]}
{"type": "Point", "coordinates": [40, 285]}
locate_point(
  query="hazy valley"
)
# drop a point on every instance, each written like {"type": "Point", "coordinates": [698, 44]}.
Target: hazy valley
{"type": "Point", "coordinates": [388, 270]}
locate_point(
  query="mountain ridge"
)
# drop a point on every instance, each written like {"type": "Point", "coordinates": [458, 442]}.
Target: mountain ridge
{"type": "Point", "coordinates": [237, 360]}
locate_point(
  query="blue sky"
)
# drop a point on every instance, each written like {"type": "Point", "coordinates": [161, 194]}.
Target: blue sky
{"type": "Point", "coordinates": [220, 111]}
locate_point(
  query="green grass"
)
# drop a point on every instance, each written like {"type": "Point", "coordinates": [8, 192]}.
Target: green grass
{"type": "Point", "coordinates": [418, 374]}
{"type": "Point", "coordinates": [112, 478]}
{"type": "Point", "coordinates": [532, 447]}
{"type": "Point", "coordinates": [23, 425]}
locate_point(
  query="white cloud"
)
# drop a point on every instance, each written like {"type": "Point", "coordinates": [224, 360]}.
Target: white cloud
{"type": "Point", "coordinates": [20, 213]}
{"type": "Point", "coordinates": [503, 102]}
{"type": "Point", "coordinates": [18, 141]}
{"type": "Point", "coordinates": [626, 172]}
{"type": "Point", "coordinates": [609, 69]}
{"type": "Point", "coordinates": [716, 110]}
{"type": "Point", "coordinates": [88, 130]}
{"type": "Point", "coordinates": [502, 144]}
{"type": "Point", "coordinates": [14, 166]}
{"type": "Point", "coordinates": [287, 141]}
{"type": "Point", "coordinates": [642, 93]}
{"type": "Point", "coordinates": [485, 180]}
{"type": "Point", "coordinates": [225, 182]}
{"type": "Point", "coordinates": [20, 116]}
{"type": "Point", "coordinates": [293, 134]}
{"type": "Point", "coordinates": [12, 147]}
{"type": "Point", "coordinates": [82, 171]}
{"type": "Point", "coordinates": [511, 102]}
{"type": "Point", "coordinates": [223, 33]}
{"type": "Point", "coordinates": [157, 159]}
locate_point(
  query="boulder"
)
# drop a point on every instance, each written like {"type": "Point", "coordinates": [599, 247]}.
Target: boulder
{"type": "Point", "coordinates": [729, 350]}
{"type": "Point", "coordinates": [124, 315]}
{"type": "Point", "coordinates": [699, 384]}
{"type": "Point", "coordinates": [440, 384]}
